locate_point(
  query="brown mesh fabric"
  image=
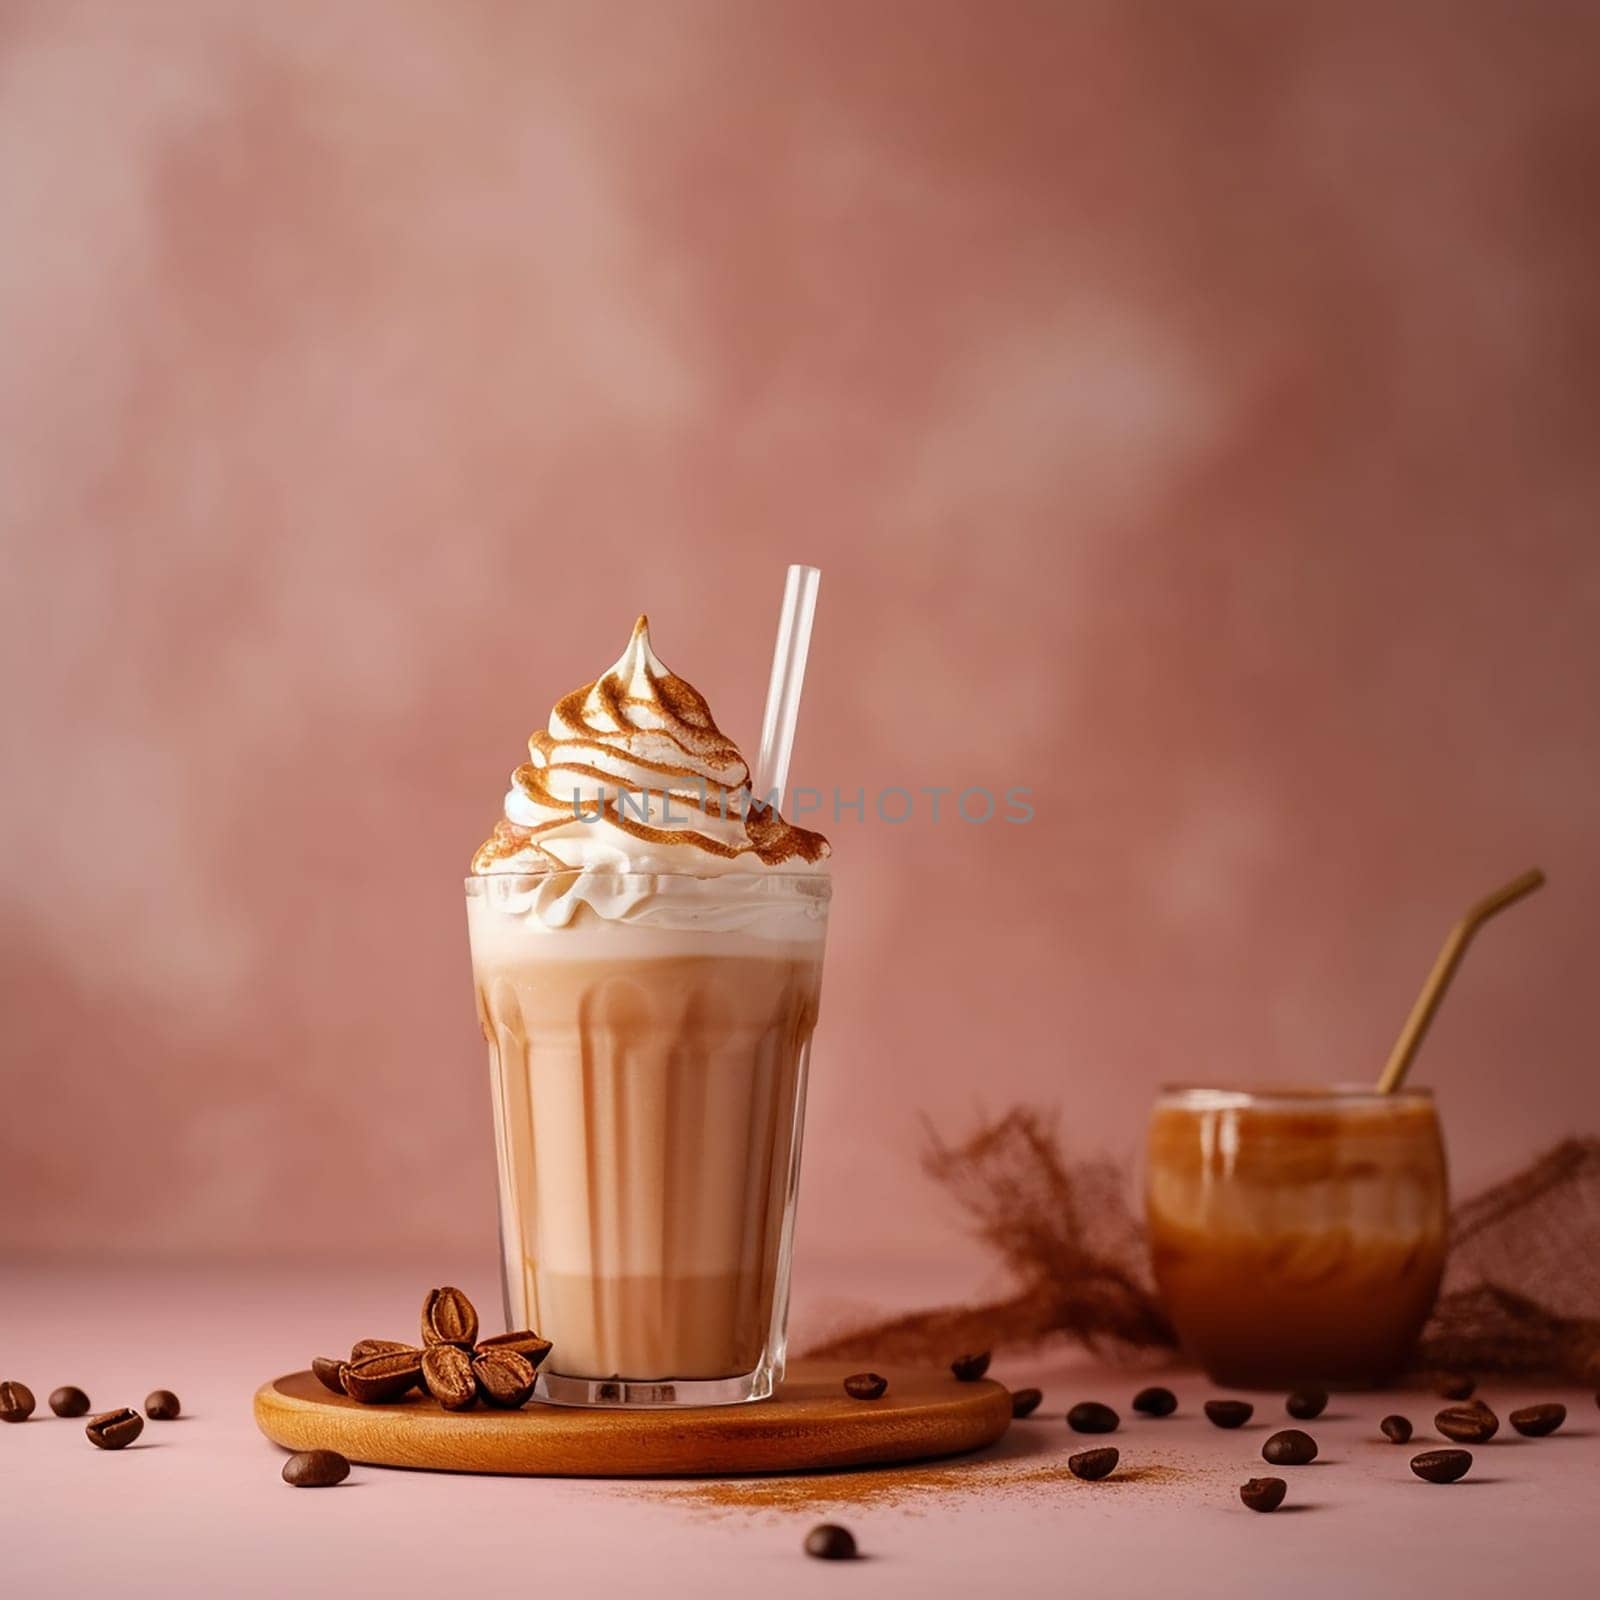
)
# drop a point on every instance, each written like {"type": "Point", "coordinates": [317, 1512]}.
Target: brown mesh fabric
{"type": "Point", "coordinates": [1521, 1292]}
{"type": "Point", "coordinates": [1522, 1287]}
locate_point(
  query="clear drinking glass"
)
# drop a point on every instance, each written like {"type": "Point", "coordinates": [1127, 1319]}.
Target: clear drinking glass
{"type": "Point", "coordinates": [649, 1075]}
{"type": "Point", "coordinates": [1297, 1236]}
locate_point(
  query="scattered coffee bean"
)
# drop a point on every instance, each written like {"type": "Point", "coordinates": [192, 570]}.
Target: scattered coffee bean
{"type": "Point", "coordinates": [1537, 1421]}
{"type": "Point", "coordinates": [865, 1385]}
{"type": "Point", "coordinates": [16, 1402]}
{"type": "Point", "coordinates": [69, 1402]}
{"type": "Point", "coordinates": [1093, 1465]}
{"type": "Point", "coordinates": [1454, 1386]}
{"type": "Point", "coordinates": [1397, 1430]}
{"type": "Point", "coordinates": [1263, 1494]}
{"type": "Point", "coordinates": [1468, 1424]}
{"type": "Point", "coordinates": [315, 1469]}
{"type": "Point", "coordinates": [1442, 1466]}
{"type": "Point", "coordinates": [115, 1429]}
{"type": "Point", "coordinates": [829, 1542]}
{"type": "Point", "coordinates": [386, 1376]}
{"type": "Point", "coordinates": [1306, 1403]}
{"type": "Point", "coordinates": [505, 1379]}
{"type": "Point", "coordinates": [1293, 1447]}
{"type": "Point", "coordinates": [970, 1368]}
{"type": "Point", "coordinates": [329, 1372]}
{"type": "Point", "coordinates": [1155, 1402]}
{"type": "Point", "coordinates": [1089, 1416]}
{"type": "Point", "coordinates": [448, 1317]}
{"type": "Point", "coordinates": [162, 1405]}
{"type": "Point", "coordinates": [1024, 1402]}
{"type": "Point", "coordinates": [1229, 1413]}
{"type": "Point", "coordinates": [447, 1371]}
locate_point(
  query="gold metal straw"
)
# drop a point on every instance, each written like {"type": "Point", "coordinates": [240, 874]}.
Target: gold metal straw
{"type": "Point", "coordinates": [1444, 969]}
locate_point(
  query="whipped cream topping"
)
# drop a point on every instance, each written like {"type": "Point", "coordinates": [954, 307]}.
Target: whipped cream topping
{"type": "Point", "coordinates": [632, 775]}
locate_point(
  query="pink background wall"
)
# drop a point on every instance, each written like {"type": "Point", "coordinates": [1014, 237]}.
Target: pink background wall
{"type": "Point", "coordinates": [1193, 410]}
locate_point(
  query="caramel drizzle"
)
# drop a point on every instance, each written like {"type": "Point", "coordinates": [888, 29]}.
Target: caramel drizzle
{"type": "Point", "coordinates": [688, 726]}
{"type": "Point", "coordinates": [545, 745]}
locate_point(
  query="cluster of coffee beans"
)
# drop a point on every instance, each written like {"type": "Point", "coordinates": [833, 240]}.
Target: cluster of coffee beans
{"type": "Point", "coordinates": [1288, 1447]}
{"type": "Point", "coordinates": [110, 1430]}
{"type": "Point", "coordinates": [1467, 1421]}
{"type": "Point", "coordinates": [452, 1363]}
{"type": "Point", "coordinates": [116, 1430]}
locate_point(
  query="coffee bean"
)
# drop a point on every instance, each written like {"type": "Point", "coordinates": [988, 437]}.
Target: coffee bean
{"type": "Point", "coordinates": [1397, 1430]}
{"type": "Point", "coordinates": [865, 1385]}
{"type": "Point", "coordinates": [970, 1368]}
{"type": "Point", "coordinates": [386, 1376]}
{"type": "Point", "coordinates": [447, 1371]}
{"type": "Point", "coordinates": [1229, 1413]}
{"type": "Point", "coordinates": [1537, 1421]}
{"type": "Point", "coordinates": [1291, 1448]}
{"type": "Point", "coordinates": [1024, 1402]}
{"type": "Point", "coordinates": [1263, 1494]}
{"type": "Point", "coordinates": [1454, 1386]}
{"type": "Point", "coordinates": [1155, 1402]}
{"type": "Point", "coordinates": [329, 1372]}
{"type": "Point", "coordinates": [16, 1402]}
{"type": "Point", "coordinates": [505, 1379]}
{"type": "Point", "coordinates": [69, 1402]}
{"type": "Point", "coordinates": [829, 1542]}
{"type": "Point", "coordinates": [315, 1469]}
{"type": "Point", "coordinates": [162, 1405]}
{"type": "Point", "coordinates": [1442, 1466]}
{"type": "Point", "coordinates": [115, 1429]}
{"type": "Point", "coordinates": [1468, 1424]}
{"type": "Point", "coordinates": [363, 1348]}
{"type": "Point", "coordinates": [1092, 1465]}
{"type": "Point", "coordinates": [448, 1317]}
{"type": "Point", "coordinates": [1306, 1403]}
{"type": "Point", "coordinates": [528, 1345]}
{"type": "Point", "coordinates": [1089, 1416]}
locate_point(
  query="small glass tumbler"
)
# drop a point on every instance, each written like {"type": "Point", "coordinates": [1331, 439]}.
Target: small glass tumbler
{"type": "Point", "coordinates": [1297, 1236]}
{"type": "Point", "coordinates": [649, 1037]}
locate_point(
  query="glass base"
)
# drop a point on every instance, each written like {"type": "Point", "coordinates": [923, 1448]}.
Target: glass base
{"type": "Point", "coordinates": [655, 1394]}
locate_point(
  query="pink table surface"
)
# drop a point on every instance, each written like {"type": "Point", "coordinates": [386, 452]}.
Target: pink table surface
{"type": "Point", "coordinates": [197, 1507]}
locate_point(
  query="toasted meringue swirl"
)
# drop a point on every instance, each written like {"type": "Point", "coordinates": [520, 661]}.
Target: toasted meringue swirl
{"type": "Point", "coordinates": [633, 775]}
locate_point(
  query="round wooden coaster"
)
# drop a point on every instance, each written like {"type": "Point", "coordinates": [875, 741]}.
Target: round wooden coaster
{"type": "Point", "coordinates": [810, 1423]}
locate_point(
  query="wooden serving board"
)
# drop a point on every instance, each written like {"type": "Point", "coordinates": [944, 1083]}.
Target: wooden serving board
{"type": "Point", "coordinates": [810, 1423]}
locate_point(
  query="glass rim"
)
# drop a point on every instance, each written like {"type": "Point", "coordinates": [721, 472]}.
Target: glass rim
{"type": "Point", "coordinates": [1297, 1097]}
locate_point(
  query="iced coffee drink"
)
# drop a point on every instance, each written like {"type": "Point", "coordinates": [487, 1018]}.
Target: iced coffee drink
{"type": "Point", "coordinates": [647, 945]}
{"type": "Point", "coordinates": [1297, 1237]}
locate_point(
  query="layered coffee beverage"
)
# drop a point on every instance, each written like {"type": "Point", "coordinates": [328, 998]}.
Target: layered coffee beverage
{"type": "Point", "coordinates": [1297, 1237]}
{"type": "Point", "coordinates": [647, 943]}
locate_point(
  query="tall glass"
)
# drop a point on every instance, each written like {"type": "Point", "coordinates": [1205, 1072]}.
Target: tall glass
{"type": "Point", "coordinates": [648, 1038]}
{"type": "Point", "coordinates": [1297, 1236]}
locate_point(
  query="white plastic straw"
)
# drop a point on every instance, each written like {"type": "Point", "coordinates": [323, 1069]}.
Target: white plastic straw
{"type": "Point", "coordinates": [788, 677]}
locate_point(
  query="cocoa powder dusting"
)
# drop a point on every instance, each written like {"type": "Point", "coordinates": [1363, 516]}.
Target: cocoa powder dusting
{"type": "Point", "coordinates": [910, 1488]}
